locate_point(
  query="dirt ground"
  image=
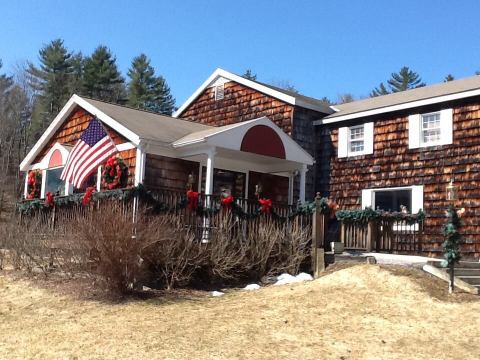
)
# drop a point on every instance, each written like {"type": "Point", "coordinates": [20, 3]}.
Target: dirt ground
{"type": "Point", "coordinates": [359, 312]}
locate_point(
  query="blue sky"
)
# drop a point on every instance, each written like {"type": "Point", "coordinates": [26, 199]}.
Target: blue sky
{"type": "Point", "coordinates": [322, 47]}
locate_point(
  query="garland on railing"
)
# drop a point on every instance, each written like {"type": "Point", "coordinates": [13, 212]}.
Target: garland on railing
{"type": "Point", "coordinates": [191, 201]}
{"type": "Point", "coordinates": [367, 214]}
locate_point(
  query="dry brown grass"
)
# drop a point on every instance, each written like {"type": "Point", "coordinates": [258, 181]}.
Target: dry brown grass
{"type": "Point", "coordinates": [360, 312]}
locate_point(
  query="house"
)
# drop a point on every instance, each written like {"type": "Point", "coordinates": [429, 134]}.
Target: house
{"type": "Point", "coordinates": [166, 153]}
{"type": "Point", "coordinates": [403, 149]}
{"type": "Point", "coordinates": [225, 99]}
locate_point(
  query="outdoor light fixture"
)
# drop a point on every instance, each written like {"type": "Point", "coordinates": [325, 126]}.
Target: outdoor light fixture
{"type": "Point", "coordinates": [258, 189]}
{"type": "Point", "coordinates": [451, 191]}
{"type": "Point", "coordinates": [190, 181]}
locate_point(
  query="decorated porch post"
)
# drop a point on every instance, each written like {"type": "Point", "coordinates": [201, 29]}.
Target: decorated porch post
{"type": "Point", "coordinates": [303, 176]}
{"type": "Point", "coordinates": [208, 192]}
{"type": "Point", "coordinates": [451, 250]}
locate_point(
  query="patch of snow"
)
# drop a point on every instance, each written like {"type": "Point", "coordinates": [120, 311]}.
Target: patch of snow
{"type": "Point", "coordinates": [217, 293]}
{"type": "Point", "coordinates": [285, 279]}
{"type": "Point", "coordinates": [304, 277]}
{"type": "Point", "coordinates": [251, 287]}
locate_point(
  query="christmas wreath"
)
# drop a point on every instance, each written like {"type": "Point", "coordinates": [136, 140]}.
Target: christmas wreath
{"type": "Point", "coordinates": [34, 184]}
{"type": "Point", "coordinates": [115, 173]}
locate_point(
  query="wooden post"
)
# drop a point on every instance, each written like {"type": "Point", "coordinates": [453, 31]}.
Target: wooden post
{"type": "Point", "coordinates": [318, 239]}
{"type": "Point", "coordinates": [371, 235]}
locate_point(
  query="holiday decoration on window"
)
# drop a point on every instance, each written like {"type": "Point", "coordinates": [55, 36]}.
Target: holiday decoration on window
{"type": "Point", "coordinates": [87, 198]}
{"type": "Point", "coordinates": [266, 205]}
{"type": "Point", "coordinates": [49, 201]}
{"type": "Point", "coordinates": [34, 184]}
{"type": "Point", "coordinates": [115, 173]}
{"type": "Point", "coordinates": [192, 200]}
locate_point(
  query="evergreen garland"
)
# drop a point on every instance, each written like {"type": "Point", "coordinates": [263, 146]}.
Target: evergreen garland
{"type": "Point", "coordinates": [367, 214]}
{"type": "Point", "coordinates": [451, 246]}
{"type": "Point", "coordinates": [155, 206]}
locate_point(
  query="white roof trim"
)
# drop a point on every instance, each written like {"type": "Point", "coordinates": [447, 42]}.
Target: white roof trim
{"type": "Point", "coordinates": [246, 82]}
{"type": "Point", "coordinates": [74, 101]}
{"type": "Point", "coordinates": [293, 151]}
{"type": "Point", "coordinates": [403, 106]}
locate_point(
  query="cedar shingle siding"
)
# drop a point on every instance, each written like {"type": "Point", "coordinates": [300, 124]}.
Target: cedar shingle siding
{"type": "Point", "coordinates": [393, 164]}
{"type": "Point", "coordinates": [242, 103]}
{"type": "Point", "coordinates": [72, 129]}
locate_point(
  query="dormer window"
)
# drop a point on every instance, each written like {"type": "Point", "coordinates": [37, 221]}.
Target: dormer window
{"type": "Point", "coordinates": [219, 92]}
{"type": "Point", "coordinates": [430, 129]}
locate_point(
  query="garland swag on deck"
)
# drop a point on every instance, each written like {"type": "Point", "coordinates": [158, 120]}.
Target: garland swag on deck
{"type": "Point", "coordinates": [191, 201]}
{"type": "Point", "coordinates": [367, 214]}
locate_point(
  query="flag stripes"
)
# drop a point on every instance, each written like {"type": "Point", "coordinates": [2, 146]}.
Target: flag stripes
{"type": "Point", "coordinates": [91, 150]}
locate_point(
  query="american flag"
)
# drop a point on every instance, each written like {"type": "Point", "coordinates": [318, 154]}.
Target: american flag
{"type": "Point", "coordinates": [91, 150]}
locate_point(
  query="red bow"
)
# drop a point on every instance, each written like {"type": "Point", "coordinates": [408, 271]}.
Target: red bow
{"type": "Point", "coordinates": [49, 199]}
{"type": "Point", "coordinates": [266, 205]}
{"type": "Point", "coordinates": [192, 197]}
{"type": "Point", "coordinates": [88, 196]}
{"type": "Point", "coordinates": [227, 201]}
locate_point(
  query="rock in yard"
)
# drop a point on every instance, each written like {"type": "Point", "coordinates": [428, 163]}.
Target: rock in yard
{"type": "Point", "coordinates": [217, 293]}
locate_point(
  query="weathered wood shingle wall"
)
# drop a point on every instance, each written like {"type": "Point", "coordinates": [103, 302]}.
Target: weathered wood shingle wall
{"type": "Point", "coordinates": [164, 173]}
{"type": "Point", "coordinates": [393, 164]}
{"type": "Point", "coordinates": [72, 129]}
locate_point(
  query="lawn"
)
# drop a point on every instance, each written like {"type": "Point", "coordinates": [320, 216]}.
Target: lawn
{"type": "Point", "coordinates": [360, 312]}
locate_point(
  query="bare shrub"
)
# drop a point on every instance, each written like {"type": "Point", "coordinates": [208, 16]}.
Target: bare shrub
{"type": "Point", "coordinates": [170, 250]}
{"type": "Point", "coordinates": [108, 234]}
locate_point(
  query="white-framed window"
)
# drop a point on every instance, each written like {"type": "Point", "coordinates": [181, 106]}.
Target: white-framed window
{"type": "Point", "coordinates": [219, 92]}
{"type": "Point", "coordinates": [355, 140]}
{"type": "Point", "coordinates": [53, 183]}
{"type": "Point", "coordinates": [404, 198]}
{"type": "Point", "coordinates": [430, 129]}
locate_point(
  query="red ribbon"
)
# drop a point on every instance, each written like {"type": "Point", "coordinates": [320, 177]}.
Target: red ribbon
{"type": "Point", "coordinates": [192, 197]}
{"type": "Point", "coordinates": [227, 201]}
{"type": "Point", "coordinates": [49, 199]}
{"type": "Point", "coordinates": [88, 196]}
{"type": "Point", "coordinates": [266, 205]}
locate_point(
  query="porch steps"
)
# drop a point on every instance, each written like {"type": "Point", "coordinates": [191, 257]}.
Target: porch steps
{"type": "Point", "coordinates": [467, 274]}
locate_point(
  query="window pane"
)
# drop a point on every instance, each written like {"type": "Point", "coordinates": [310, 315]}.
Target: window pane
{"type": "Point", "coordinates": [356, 146]}
{"type": "Point", "coordinates": [356, 133]}
{"type": "Point", "coordinates": [392, 200]}
{"type": "Point", "coordinates": [431, 128]}
{"type": "Point", "coordinates": [53, 183]}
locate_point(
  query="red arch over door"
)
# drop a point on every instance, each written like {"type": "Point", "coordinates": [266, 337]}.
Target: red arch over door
{"type": "Point", "coordinates": [263, 140]}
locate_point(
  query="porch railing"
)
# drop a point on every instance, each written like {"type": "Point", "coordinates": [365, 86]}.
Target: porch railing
{"type": "Point", "coordinates": [383, 235]}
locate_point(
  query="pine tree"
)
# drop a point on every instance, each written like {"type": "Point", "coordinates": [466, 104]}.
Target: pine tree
{"type": "Point", "coordinates": [77, 73]}
{"type": "Point", "coordinates": [146, 90]}
{"type": "Point", "coordinates": [101, 78]}
{"type": "Point", "coordinates": [405, 79]}
{"type": "Point", "coordinates": [380, 90]}
{"type": "Point", "coordinates": [250, 75]}
{"type": "Point", "coordinates": [448, 78]}
{"type": "Point", "coordinates": [345, 98]}
{"type": "Point", "coordinates": [52, 82]}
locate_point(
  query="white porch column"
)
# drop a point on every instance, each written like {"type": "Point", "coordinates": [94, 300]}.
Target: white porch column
{"type": "Point", "coordinates": [25, 190]}
{"type": "Point", "coordinates": [291, 181]}
{"type": "Point", "coordinates": [303, 177]}
{"type": "Point", "coordinates": [209, 174]}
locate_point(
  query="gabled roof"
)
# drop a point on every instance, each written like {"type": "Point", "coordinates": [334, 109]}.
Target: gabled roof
{"type": "Point", "coordinates": [289, 97]}
{"type": "Point", "coordinates": [432, 94]}
{"type": "Point", "coordinates": [133, 124]}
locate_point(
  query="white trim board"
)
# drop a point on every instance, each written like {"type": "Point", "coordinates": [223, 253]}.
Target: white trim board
{"type": "Point", "coordinates": [403, 106]}
{"type": "Point", "coordinates": [74, 101]}
{"type": "Point", "coordinates": [220, 73]}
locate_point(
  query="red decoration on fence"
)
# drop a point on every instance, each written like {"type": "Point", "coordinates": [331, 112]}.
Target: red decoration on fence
{"type": "Point", "coordinates": [333, 206]}
{"type": "Point", "coordinates": [88, 196]}
{"type": "Point", "coordinates": [192, 198]}
{"type": "Point", "coordinates": [49, 199]}
{"type": "Point", "coordinates": [227, 201]}
{"type": "Point", "coordinates": [266, 205]}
